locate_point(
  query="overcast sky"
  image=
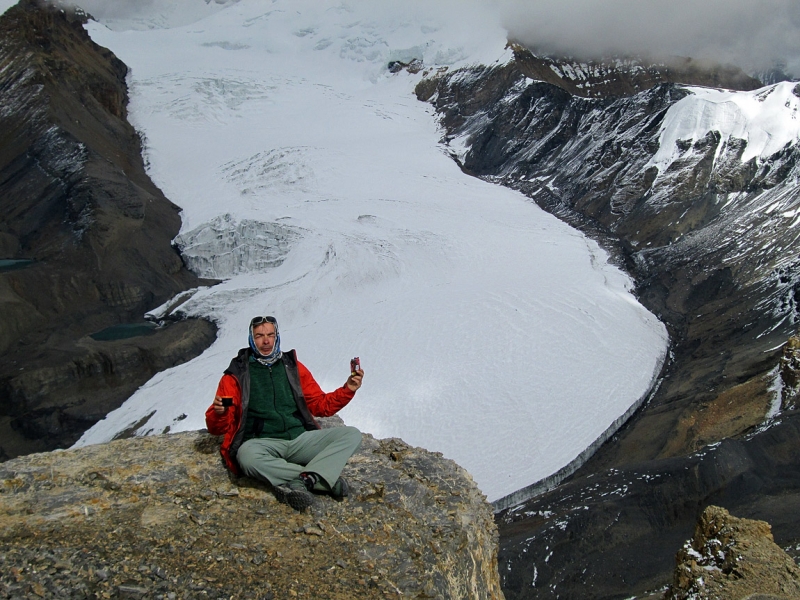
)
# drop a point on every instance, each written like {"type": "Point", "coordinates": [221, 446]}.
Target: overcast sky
{"type": "Point", "coordinates": [753, 35]}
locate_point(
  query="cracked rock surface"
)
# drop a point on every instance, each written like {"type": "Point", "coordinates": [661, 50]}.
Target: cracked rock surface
{"type": "Point", "coordinates": [160, 517]}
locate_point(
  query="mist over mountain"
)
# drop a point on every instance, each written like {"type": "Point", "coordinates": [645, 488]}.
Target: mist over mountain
{"type": "Point", "coordinates": [755, 37]}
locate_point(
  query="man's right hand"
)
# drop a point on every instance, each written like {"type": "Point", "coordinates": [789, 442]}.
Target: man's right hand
{"type": "Point", "coordinates": [218, 407]}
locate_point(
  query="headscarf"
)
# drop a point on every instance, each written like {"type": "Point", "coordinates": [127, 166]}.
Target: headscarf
{"type": "Point", "coordinates": [274, 356]}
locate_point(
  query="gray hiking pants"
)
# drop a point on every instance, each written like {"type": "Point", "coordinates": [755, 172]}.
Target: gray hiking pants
{"type": "Point", "coordinates": [322, 451]}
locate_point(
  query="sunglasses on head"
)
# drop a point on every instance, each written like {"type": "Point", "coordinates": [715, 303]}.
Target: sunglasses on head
{"type": "Point", "coordinates": [256, 321]}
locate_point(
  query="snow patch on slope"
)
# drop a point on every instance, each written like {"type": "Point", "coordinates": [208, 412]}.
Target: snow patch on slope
{"type": "Point", "coordinates": [767, 119]}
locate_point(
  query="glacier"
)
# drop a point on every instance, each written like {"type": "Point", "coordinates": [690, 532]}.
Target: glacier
{"type": "Point", "coordinates": [316, 186]}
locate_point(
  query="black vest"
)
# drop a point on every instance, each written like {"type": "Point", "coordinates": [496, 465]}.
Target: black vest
{"type": "Point", "coordinates": [240, 369]}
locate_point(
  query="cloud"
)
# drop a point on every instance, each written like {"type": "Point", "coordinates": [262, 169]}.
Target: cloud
{"type": "Point", "coordinates": [103, 9]}
{"type": "Point", "coordinates": [751, 35]}
{"type": "Point", "coordinates": [148, 14]}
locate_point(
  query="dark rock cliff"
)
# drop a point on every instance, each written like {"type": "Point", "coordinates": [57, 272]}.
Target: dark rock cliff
{"type": "Point", "coordinates": [713, 250]}
{"type": "Point", "coordinates": [76, 202]}
{"type": "Point", "coordinates": [159, 517]}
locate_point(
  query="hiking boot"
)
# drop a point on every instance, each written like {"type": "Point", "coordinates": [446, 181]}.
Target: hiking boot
{"type": "Point", "coordinates": [340, 489]}
{"type": "Point", "coordinates": [310, 480]}
{"type": "Point", "coordinates": [295, 494]}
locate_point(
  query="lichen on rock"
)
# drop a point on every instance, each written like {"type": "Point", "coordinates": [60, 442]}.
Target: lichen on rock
{"type": "Point", "coordinates": [156, 516]}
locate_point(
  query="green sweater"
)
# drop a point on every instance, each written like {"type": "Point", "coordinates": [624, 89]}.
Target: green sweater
{"type": "Point", "coordinates": [271, 404]}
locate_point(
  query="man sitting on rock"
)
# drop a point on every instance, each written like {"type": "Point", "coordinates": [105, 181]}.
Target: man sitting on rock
{"type": "Point", "coordinates": [265, 407]}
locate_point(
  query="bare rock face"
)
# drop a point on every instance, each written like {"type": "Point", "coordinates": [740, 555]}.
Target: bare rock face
{"type": "Point", "coordinates": [87, 233]}
{"type": "Point", "coordinates": [155, 516]}
{"type": "Point", "coordinates": [790, 373]}
{"type": "Point", "coordinates": [733, 559]}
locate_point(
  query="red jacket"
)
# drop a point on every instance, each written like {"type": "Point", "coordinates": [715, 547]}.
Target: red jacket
{"type": "Point", "coordinates": [310, 399]}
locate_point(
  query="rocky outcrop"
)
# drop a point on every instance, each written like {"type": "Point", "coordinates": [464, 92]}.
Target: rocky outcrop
{"type": "Point", "coordinates": [76, 203]}
{"type": "Point", "coordinates": [733, 559]}
{"type": "Point", "coordinates": [711, 245]}
{"type": "Point", "coordinates": [159, 517]}
{"type": "Point", "coordinates": [790, 373]}
{"type": "Point", "coordinates": [625, 76]}
{"type": "Point", "coordinates": [612, 533]}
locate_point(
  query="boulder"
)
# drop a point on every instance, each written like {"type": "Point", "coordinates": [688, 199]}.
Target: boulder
{"type": "Point", "coordinates": [160, 517]}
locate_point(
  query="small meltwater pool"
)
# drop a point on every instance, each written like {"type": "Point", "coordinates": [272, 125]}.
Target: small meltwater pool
{"type": "Point", "coordinates": [124, 331]}
{"type": "Point", "coordinates": [12, 264]}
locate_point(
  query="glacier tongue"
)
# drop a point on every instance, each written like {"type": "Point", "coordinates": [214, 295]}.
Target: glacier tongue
{"type": "Point", "coordinates": [324, 198]}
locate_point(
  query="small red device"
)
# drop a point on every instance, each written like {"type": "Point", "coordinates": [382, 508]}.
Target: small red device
{"type": "Point", "coordinates": [355, 365]}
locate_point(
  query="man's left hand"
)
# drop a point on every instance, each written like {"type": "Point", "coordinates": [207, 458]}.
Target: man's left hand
{"type": "Point", "coordinates": [354, 381]}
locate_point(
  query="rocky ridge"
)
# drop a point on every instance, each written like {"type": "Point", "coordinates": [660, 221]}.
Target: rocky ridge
{"type": "Point", "coordinates": [159, 517]}
{"type": "Point", "coordinates": [733, 558]}
{"type": "Point", "coordinates": [710, 243]}
{"type": "Point", "coordinates": [89, 232]}
{"type": "Point", "coordinates": [624, 76]}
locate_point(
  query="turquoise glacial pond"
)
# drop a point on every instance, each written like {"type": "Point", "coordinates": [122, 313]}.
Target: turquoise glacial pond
{"type": "Point", "coordinates": [12, 264]}
{"type": "Point", "coordinates": [124, 331]}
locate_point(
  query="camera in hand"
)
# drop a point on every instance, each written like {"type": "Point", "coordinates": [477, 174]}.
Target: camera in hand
{"type": "Point", "coordinates": [227, 401]}
{"type": "Point", "coordinates": [355, 364]}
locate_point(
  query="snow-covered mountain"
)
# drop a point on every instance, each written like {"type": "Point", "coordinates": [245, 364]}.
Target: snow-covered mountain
{"type": "Point", "coordinates": [695, 190]}
{"type": "Point", "coordinates": [312, 181]}
{"type": "Point", "coordinates": [696, 187]}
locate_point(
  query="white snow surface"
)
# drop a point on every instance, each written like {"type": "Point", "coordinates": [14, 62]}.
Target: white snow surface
{"type": "Point", "coordinates": [312, 180]}
{"type": "Point", "coordinates": [767, 119]}
{"type": "Point", "coordinates": [6, 4]}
